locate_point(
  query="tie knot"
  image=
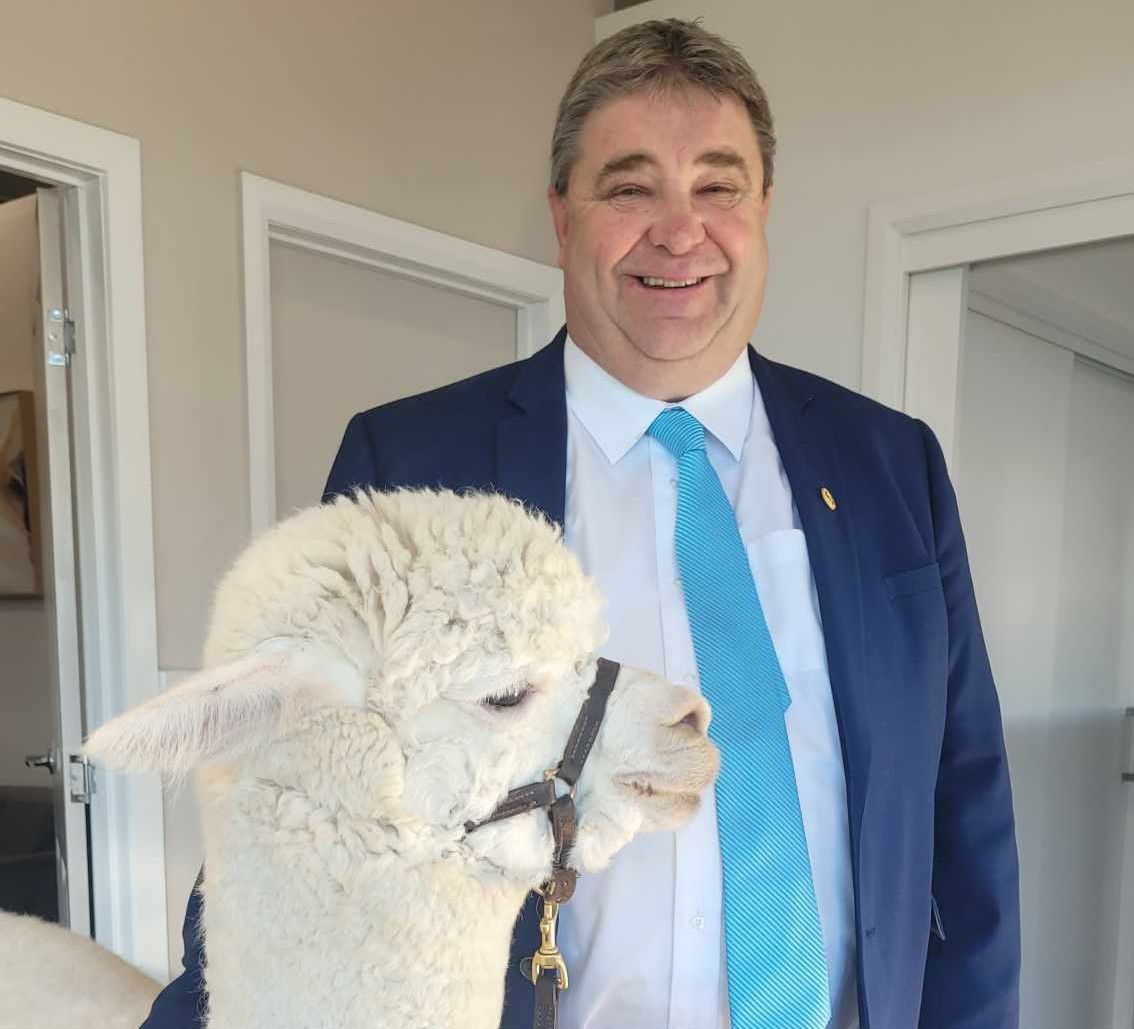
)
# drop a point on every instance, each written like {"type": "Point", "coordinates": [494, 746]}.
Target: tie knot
{"type": "Point", "coordinates": [678, 431]}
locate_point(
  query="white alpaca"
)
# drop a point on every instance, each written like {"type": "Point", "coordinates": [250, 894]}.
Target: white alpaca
{"type": "Point", "coordinates": [380, 671]}
{"type": "Point", "coordinates": [50, 976]}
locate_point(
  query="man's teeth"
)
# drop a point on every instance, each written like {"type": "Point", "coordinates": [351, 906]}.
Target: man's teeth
{"type": "Point", "coordinates": [668, 283]}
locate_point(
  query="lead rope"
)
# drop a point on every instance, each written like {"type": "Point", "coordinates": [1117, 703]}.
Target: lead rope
{"type": "Point", "coordinates": [546, 969]}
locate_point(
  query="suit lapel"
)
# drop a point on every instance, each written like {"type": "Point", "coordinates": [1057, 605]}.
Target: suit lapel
{"type": "Point", "coordinates": [531, 443]}
{"type": "Point", "coordinates": [811, 462]}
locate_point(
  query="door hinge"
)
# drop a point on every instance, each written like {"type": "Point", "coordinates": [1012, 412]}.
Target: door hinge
{"type": "Point", "coordinates": [80, 778]}
{"type": "Point", "coordinates": [60, 337]}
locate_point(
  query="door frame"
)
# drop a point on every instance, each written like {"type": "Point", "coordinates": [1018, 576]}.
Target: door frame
{"type": "Point", "coordinates": [274, 211]}
{"type": "Point", "coordinates": [912, 336]}
{"type": "Point", "coordinates": [114, 511]}
{"type": "Point", "coordinates": [918, 254]}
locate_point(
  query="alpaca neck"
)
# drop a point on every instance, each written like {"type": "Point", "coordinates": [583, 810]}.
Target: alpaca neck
{"type": "Point", "coordinates": [304, 935]}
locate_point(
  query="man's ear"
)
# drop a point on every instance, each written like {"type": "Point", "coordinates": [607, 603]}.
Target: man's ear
{"type": "Point", "coordinates": [560, 218]}
{"type": "Point", "coordinates": [228, 709]}
{"type": "Point", "coordinates": [766, 204]}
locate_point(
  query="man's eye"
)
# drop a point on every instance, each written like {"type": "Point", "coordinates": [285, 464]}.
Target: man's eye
{"type": "Point", "coordinates": [627, 192]}
{"type": "Point", "coordinates": [509, 699]}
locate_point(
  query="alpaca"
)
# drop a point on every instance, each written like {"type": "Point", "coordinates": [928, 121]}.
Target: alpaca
{"type": "Point", "coordinates": [51, 976]}
{"type": "Point", "coordinates": [379, 672]}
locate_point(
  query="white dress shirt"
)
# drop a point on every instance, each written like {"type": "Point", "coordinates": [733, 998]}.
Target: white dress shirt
{"type": "Point", "coordinates": [644, 939]}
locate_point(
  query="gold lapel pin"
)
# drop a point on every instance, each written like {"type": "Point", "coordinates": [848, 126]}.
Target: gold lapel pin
{"type": "Point", "coordinates": [828, 498]}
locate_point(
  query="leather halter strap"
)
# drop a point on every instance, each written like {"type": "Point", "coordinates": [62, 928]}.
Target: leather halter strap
{"type": "Point", "coordinates": [551, 975]}
{"type": "Point", "coordinates": [542, 794]}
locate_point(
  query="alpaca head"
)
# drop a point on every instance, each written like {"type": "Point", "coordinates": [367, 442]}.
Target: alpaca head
{"type": "Point", "coordinates": [407, 658]}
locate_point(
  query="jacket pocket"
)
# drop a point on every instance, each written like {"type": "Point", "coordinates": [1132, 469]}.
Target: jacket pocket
{"type": "Point", "coordinates": [917, 580]}
{"type": "Point", "coordinates": [936, 928]}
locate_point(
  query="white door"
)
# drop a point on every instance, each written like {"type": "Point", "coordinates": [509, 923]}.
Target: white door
{"type": "Point", "coordinates": [49, 500]}
{"type": "Point", "coordinates": [1044, 468]}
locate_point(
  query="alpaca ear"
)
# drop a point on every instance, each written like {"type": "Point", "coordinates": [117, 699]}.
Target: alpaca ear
{"type": "Point", "coordinates": [228, 709]}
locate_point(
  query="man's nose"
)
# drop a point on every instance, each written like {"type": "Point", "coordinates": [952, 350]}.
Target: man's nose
{"type": "Point", "coordinates": [678, 228]}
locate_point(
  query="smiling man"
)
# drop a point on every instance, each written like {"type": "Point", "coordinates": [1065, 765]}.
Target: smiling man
{"type": "Point", "coordinates": [787, 546]}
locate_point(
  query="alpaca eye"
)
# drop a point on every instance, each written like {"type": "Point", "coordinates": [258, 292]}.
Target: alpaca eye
{"type": "Point", "coordinates": [510, 699]}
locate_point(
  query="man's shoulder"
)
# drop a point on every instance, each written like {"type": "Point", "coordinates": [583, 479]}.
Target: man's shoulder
{"type": "Point", "coordinates": [840, 403]}
{"type": "Point", "coordinates": [808, 386]}
{"type": "Point", "coordinates": [450, 435]}
{"type": "Point", "coordinates": [475, 399]}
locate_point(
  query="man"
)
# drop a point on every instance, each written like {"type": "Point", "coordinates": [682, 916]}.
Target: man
{"type": "Point", "coordinates": [856, 865]}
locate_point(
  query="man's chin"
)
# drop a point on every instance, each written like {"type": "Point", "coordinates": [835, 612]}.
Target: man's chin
{"type": "Point", "coordinates": [672, 341]}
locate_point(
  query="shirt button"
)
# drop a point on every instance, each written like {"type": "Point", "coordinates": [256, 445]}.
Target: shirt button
{"type": "Point", "coordinates": [697, 922]}
{"type": "Point", "coordinates": [673, 482]}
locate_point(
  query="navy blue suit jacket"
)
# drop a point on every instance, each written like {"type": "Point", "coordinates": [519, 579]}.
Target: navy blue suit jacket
{"type": "Point", "coordinates": [932, 843]}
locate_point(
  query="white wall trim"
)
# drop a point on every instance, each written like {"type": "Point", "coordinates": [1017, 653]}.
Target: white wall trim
{"type": "Point", "coordinates": [1086, 332]}
{"type": "Point", "coordinates": [103, 214]}
{"type": "Point", "coordinates": [934, 343]}
{"type": "Point", "coordinates": [1049, 332]}
{"type": "Point", "coordinates": [943, 232]}
{"type": "Point", "coordinates": [275, 211]}
{"type": "Point", "coordinates": [918, 254]}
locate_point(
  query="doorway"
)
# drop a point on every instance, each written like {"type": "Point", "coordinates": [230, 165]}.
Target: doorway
{"type": "Point", "coordinates": [89, 391]}
{"type": "Point", "coordinates": [1000, 316]}
{"type": "Point", "coordinates": [1044, 471]}
{"type": "Point", "coordinates": [45, 784]}
{"type": "Point", "coordinates": [1024, 366]}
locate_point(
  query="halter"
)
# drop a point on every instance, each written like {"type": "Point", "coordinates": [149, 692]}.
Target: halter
{"type": "Point", "coordinates": [546, 968]}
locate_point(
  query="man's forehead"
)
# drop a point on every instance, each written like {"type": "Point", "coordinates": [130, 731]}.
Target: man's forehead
{"type": "Point", "coordinates": [638, 130]}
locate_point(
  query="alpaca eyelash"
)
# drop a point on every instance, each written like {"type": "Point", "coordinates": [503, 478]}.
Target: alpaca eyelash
{"type": "Point", "coordinates": [510, 699]}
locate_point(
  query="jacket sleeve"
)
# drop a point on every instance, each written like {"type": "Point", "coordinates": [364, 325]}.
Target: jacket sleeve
{"type": "Point", "coordinates": [973, 964]}
{"type": "Point", "coordinates": [182, 1004]}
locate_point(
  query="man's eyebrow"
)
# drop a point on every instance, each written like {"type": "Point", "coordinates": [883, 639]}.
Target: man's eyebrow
{"type": "Point", "coordinates": [625, 163]}
{"type": "Point", "coordinates": [722, 158]}
{"type": "Point", "coordinates": [726, 159]}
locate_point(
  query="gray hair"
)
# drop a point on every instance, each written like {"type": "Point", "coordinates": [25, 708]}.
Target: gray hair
{"type": "Point", "coordinates": [657, 57]}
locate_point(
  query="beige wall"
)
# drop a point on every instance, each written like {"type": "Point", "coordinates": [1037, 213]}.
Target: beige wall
{"type": "Point", "coordinates": [906, 98]}
{"type": "Point", "coordinates": [346, 337]}
{"type": "Point", "coordinates": [434, 112]}
{"type": "Point", "coordinates": [19, 281]}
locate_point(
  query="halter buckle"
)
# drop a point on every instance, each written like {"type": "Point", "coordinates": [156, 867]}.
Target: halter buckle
{"type": "Point", "coordinates": [552, 775]}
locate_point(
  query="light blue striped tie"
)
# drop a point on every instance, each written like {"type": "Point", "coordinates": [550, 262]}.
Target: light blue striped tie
{"type": "Point", "coordinates": [777, 970]}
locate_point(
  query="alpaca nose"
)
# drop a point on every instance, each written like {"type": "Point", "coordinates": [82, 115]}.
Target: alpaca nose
{"type": "Point", "coordinates": [693, 712]}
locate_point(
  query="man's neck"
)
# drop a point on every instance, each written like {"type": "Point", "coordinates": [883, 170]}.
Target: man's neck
{"type": "Point", "coordinates": [667, 381]}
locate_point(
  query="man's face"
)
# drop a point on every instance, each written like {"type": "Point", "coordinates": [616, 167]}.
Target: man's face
{"type": "Point", "coordinates": [665, 189]}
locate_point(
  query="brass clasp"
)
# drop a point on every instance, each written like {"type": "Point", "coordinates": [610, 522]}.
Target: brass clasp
{"type": "Point", "coordinates": [549, 958]}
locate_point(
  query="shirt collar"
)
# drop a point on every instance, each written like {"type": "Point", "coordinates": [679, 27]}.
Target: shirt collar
{"type": "Point", "coordinates": [617, 417]}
